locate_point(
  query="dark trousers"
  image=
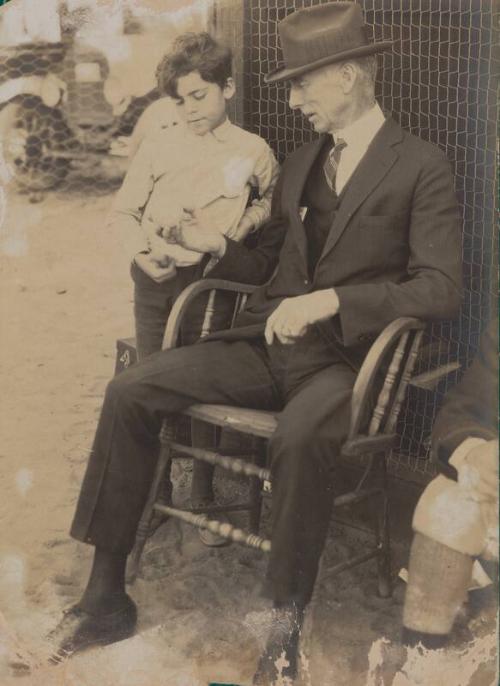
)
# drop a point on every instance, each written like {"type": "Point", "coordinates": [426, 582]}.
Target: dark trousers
{"type": "Point", "coordinates": [306, 381]}
{"type": "Point", "coordinates": [152, 305]}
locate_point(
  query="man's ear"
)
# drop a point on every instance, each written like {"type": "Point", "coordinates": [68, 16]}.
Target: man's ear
{"type": "Point", "coordinates": [349, 75]}
{"type": "Point", "coordinates": [229, 89]}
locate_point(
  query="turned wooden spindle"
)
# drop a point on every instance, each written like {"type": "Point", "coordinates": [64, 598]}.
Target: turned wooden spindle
{"type": "Point", "coordinates": [385, 393]}
{"type": "Point", "coordinates": [405, 380]}
{"type": "Point", "coordinates": [232, 464]}
{"type": "Point", "coordinates": [209, 314]}
{"type": "Point", "coordinates": [223, 529]}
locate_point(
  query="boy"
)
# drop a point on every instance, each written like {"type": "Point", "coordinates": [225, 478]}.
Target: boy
{"type": "Point", "coordinates": [198, 172]}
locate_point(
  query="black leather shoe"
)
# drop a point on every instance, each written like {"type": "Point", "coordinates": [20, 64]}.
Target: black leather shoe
{"type": "Point", "coordinates": [278, 662]}
{"type": "Point", "coordinates": [79, 630]}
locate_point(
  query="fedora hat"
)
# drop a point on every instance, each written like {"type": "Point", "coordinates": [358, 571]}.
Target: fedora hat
{"type": "Point", "coordinates": [316, 36]}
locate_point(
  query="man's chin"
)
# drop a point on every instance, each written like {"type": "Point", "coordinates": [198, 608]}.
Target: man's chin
{"type": "Point", "coordinates": [318, 126]}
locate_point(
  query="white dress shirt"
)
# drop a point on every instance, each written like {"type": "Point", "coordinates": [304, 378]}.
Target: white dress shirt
{"type": "Point", "coordinates": [358, 137]}
{"type": "Point", "coordinates": [175, 169]}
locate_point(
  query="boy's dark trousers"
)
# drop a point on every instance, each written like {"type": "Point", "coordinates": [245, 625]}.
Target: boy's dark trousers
{"type": "Point", "coordinates": [152, 305]}
{"type": "Point", "coordinates": [307, 381]}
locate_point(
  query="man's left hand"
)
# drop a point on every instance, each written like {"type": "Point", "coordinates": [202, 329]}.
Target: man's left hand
{"type": "Point", "coordinates": [290, 319]}
{"type": "Point", "coordinates": [192, 236]}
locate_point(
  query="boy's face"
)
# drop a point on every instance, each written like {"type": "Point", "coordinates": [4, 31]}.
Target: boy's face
{"type": "Point", "coordinates": [202, 104]}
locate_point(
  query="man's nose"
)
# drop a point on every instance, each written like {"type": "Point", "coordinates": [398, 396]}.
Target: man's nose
{"type": "Point", "coordinates": [294, 99]}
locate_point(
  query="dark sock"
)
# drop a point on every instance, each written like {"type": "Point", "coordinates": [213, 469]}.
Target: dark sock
{"type": "Point", "coordinates": [105, 590]}
{"type": "Point", "coordinates": [411, 638]}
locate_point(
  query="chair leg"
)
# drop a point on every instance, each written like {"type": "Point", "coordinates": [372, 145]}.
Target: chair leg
{"type": "Point", "coordinates": [383, 536]}
{"type": "Point", "coordinates": [255, 490]}
{"type": "Point", "coordinates": [143, 530]}
{"type": "Point", "coordinates": [203, 435]}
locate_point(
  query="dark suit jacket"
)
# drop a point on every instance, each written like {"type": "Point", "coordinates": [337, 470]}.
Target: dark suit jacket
{"type": "Point", "coordinates": [471, 408]}
{"type": "Point", "coordinates": [394, 248]}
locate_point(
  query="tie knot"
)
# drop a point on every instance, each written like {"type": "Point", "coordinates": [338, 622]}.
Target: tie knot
{"type": "Point", "coordinates": [340, 144]}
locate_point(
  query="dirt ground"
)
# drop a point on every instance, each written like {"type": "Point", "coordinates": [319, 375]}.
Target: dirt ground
{"type": "Point", "coordinates": [65, 299]}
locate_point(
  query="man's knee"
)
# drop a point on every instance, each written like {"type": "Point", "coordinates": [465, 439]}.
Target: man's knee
{"type": "Point", "coordinates": [300, 444]}
{"type": "Point", "coordinates": [123, 389]}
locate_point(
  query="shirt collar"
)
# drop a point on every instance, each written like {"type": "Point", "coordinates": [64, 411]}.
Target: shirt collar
{"type": "Point", "coordinates": [222, 131]}
{"type": "Point", "coordinates": [360, 133]}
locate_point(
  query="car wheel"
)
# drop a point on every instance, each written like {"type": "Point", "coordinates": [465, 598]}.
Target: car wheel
{"type": "Point", "coordinates": [31, 135]}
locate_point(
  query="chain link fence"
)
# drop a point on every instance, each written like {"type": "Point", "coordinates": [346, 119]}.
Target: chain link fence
{"type": "Point", "coordinates": [439, 83]}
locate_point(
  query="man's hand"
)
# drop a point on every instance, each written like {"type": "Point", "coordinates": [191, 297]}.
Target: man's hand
{"type": "Point", "coordinates": [241, 231]}
{"type": "Point", "coordinates": [192, 236]}
{"type": "Point", "coordinates": [291, 318]}
{"type": "Point", "coordinates": [480, 470]}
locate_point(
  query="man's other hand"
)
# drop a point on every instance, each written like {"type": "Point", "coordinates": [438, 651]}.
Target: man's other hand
{"type": "Point", "coordinates": [480, 470]}
{"type": "Point", "coordinates": [191, 235]}
{"type": "Point", "coordinates": [291, 318]}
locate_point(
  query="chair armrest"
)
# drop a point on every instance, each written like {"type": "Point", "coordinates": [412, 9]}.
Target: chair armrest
{"type": "Point", "coordinates": [189, 294]}
{"type": "Point", "coordinates": [368, 373]}
{"type": "Point", "coordinates": [363, 445]}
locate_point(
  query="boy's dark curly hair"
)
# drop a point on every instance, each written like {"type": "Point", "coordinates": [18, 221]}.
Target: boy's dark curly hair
{"type": "Point", "coordinates": [194, 52]}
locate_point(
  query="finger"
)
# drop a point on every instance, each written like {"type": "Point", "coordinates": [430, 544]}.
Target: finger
{"type": "Point", "coordinates": [487, 490]}
{"type": "Point", "coordinates": [172, 234]}
{"type": "Point", "coordinates": [269, 333]}
{"type": "Point", "coordinates": [285, 340]}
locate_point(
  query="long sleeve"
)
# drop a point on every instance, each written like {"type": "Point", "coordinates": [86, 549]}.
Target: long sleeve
{"type": "Point", "coordinates": [131, 199]}
{"type": "Point", "coordinates": [255, 265]}
{"type": "Point", "coordinates": [470, 409]}
{"type": "Point", "coordinates": [265, 176]}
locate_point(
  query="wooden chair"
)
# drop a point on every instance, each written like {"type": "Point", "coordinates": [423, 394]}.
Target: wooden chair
{"type": "Point", "coordinates": [385, 374]}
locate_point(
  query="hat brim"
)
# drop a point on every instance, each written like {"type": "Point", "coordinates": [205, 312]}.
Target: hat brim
{"type": "Point", "coordinates": [281, 74]}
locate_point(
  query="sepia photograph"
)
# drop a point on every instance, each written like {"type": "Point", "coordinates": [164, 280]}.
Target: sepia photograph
{"type": "Point", "coordinates": [249, 343]}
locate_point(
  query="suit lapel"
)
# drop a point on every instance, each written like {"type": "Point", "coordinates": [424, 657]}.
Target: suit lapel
{"type": "Point", "coordinates": [370, 171]}
{"type": "Point", "coordinates": [295, 187]}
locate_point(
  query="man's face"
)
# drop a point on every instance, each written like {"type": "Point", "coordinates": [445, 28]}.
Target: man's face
{"type": "Point", "coordinates": [202, 104]}
{"type": "Point", "coordinates": [320, 96]}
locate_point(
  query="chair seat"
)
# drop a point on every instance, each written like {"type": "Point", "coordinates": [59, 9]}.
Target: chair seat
{"type": "Point", "coordinates": [255, 422]}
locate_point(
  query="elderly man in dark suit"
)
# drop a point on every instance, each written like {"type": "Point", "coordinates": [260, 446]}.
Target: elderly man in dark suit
{"type": "Point", "coordinates": [364, 229]}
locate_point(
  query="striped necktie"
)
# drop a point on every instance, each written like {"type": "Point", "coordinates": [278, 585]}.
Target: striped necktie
{"type": "Point", "coordinates": [332, 162]}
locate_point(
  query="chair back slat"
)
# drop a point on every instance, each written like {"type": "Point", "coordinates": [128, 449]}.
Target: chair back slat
{"type": "Point", "coordinates": [239, 306]}
{"type": "Point", "coordinates": [385, 393]}
{"type": "Point", "coordinates": [209, 314]}
{"type": "Point", "coordinates": [243, 302]}
{"type": "Point", "coordinates": [403, 384]}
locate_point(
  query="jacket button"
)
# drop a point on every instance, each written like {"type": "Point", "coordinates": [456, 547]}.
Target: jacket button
{"type": "Point", "coordinates": [306, 281]}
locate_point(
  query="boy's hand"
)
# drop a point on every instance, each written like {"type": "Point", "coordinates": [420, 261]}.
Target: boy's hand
{"type": "Point", "coordinates": [153, 269]}
{"type": "Point", "coordinates": [192, 236]}
{"type": "Point", "coordinates": [158, 250]}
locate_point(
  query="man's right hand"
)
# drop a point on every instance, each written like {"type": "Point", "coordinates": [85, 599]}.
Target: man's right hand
{"type": "Point", "coordinates": [480, 470]}
{"type": "Point", "coordinates": [192, 236]}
